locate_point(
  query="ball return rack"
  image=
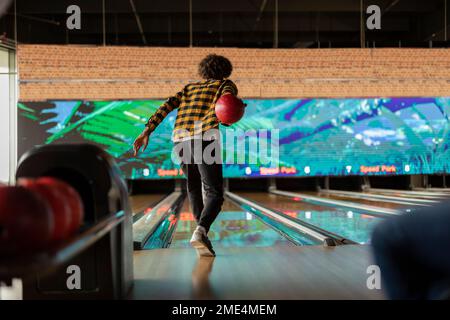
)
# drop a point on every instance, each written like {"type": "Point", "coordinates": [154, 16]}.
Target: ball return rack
{"type": "Point", "coordinates": [96, 263]}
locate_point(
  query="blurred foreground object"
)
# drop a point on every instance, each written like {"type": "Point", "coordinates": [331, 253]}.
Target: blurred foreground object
{"type": "Point", "coordinates": [413, 253]}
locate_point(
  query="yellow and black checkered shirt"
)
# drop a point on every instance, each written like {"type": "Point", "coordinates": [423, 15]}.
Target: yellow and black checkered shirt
{"type": "Point", "coordinates": [195, 104]}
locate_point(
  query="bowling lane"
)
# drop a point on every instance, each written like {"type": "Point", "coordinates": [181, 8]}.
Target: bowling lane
{"type": "Point", "coordinates": [377, 203]}
{"type": "Point", "coordinates": [142, 202]}
{"type": "Point", "coordinates": [233, 228]}
{"type": "Point", "coordinates": [347, 223]}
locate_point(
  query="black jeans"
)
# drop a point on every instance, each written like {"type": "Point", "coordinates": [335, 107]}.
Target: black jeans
{"type": "Point", "coordinates": [413, 253]}
{"type": "Point", "coordinates": [199, 171]}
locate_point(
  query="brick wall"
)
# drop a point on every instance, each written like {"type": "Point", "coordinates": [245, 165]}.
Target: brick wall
{"type": "Point", "coordinates": [86, 72]}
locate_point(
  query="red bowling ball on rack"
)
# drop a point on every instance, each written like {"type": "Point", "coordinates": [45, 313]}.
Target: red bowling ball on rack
{"type": "Point", "coordinates": [38, 213]}
{"type": "Point", "coordinates": [26, 221]}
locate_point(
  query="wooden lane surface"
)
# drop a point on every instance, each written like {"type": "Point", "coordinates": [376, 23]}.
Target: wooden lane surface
{"type": "Point", "coordinates": [307, 272]}
{"type": "Point", "coordinates": [141, 202]}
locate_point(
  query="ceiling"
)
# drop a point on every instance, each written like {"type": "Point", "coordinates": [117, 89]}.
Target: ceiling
{"type": "Point", "coordinates": [235, 23]}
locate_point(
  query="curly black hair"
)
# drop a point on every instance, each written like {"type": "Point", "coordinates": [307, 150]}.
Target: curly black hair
{"type": "Point", "coordinates": [215, 67]}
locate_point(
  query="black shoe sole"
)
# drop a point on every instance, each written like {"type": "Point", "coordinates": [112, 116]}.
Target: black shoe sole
{"type": "Point", "coordinates": [202, 249]}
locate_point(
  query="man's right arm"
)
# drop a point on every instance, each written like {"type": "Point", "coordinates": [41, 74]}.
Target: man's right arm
{"type": "Point", "coordinates": [229, 87]}
{"type": "Point", "coordinates": [170, 104]}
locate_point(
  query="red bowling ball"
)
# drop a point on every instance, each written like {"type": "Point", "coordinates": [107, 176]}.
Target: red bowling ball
{"type": "Point", "coordinates": [71, 197]}
{"type": "Point", "coordinates": [26, 220]}
{"type": "Point", "coordinates": [61, 210]}
{"type": "Point", "coordinates": [229, 109]}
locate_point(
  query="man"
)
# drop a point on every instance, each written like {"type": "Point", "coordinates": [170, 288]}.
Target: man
{"type": "Point", "coordinates": [196, 117]}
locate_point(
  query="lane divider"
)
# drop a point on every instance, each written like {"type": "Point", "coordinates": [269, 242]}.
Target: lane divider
{"type": "Point", "coordinates": [377, 197]}
{"type": "Point", "coordinates": [431, 195]}
{"type": "Point", "coordinates": [149, 222]}
{"type": "Point", "coordinates": [322, 236]}
{"type": "Point", "coordinates": [140, 214]}
{"type": "Point", "coordinates": [363, 208]}
{"type": "Point", "coordinates": [442, 191]}
{"type": "Point", "coordinates": [163, 235]}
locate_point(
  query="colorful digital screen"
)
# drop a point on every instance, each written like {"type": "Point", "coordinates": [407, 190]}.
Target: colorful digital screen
{"type": "Point", "coordinates": [315, 137]}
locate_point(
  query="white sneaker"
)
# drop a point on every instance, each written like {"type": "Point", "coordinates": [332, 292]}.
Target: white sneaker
{"type": "Point", "coordinates": [201, 243]}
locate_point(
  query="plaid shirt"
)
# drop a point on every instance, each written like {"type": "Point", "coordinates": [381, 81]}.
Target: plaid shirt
{"type": "Point", "coordinates": [195, 104]}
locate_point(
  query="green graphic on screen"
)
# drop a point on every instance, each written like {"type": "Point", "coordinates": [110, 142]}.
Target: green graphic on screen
{"type": "Point", "coordinates": [316, 137]}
